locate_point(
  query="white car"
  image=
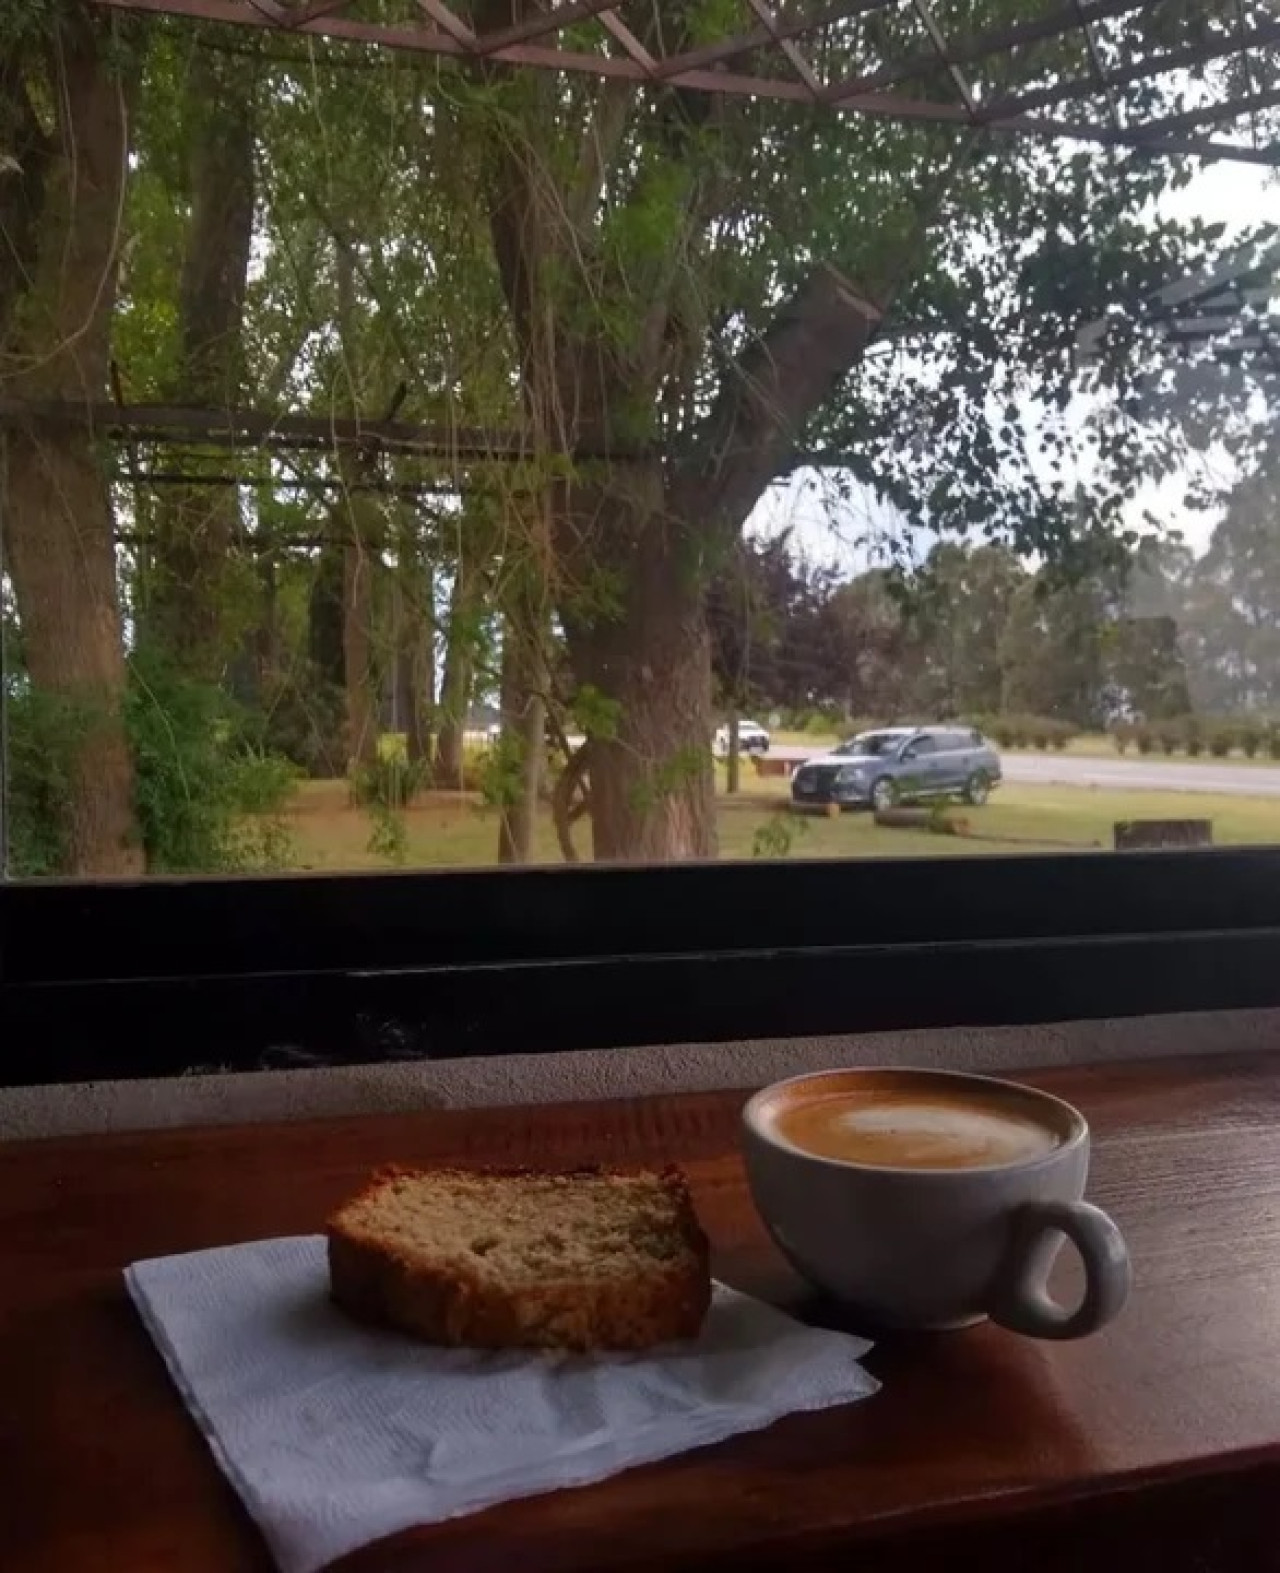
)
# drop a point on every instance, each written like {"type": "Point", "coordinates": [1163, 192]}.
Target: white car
{"type": "Point", "coordinates": [752, 739]}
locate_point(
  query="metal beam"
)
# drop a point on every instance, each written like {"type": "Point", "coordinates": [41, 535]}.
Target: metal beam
{"type": "Point", "coordinates": [1149, 66]}
{"type": "Point", "coordinates": [993, 41]}
{"type": "Point", "coordinates": [924, 11]}
{"type": "Point", "coordinates": [860, 96]}
{"type": "Point", "coordinates": [252, 429]}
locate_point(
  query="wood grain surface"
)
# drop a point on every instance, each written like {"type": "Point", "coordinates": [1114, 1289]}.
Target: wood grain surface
{"type": "Point", "coordinates": [1157, 1441]}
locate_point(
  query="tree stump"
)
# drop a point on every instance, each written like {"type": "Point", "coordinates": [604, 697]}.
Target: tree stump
{"type": "Point", "coordinates": [1137, 835]}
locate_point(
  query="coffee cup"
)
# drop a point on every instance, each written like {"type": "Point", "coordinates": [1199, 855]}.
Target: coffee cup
{"type": "Point", "coordinates": [933, 1199]}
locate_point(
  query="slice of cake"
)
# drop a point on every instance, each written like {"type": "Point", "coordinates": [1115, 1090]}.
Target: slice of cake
{"type": "Point", "coordinates": [497, 1259]}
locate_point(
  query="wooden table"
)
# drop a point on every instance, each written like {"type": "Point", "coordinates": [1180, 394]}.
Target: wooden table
{"type": "Point", "coordinates": [1158, 1441]}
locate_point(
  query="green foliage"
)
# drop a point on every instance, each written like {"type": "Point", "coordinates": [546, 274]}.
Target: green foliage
{"type": "Point", "coordinates": [1025, 731]}
{"type": "Point", "coordinates": [388, 836]}
{"type": "Point", "coordinates": [668, 776]}
{"type": "Point", "coordinates": [41, 732]}
{"type": "Point", "coordinates": [196, 778]}
{"type": "Point", "coordinates": [389, 782]}
{"type": "Point", "coordinates": [303, 723]}
{"type": "Point", "coordinates": [776, 838]}
{"type": "Point", "coordinates": [500, 771]}
{"type": "Point", "coordinates": [207, 799]}
{"type": "Point", "coordinates": [595, 714]}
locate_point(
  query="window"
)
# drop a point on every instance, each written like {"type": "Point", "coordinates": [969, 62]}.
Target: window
{"type": "Point", "coordinates": [352, 528]}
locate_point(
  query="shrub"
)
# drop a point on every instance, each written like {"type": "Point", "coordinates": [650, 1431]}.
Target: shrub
{"type": "Point", "coordinates": [1144, 738]}
{"type": "Point", "coordinates": [262, 783]}
{"type": "Point", "coordinates": [1221, 741]}
{"type": "Point", "coordinates": [818, 725]}
{"type": "Point", "coordinates": [1061, 733]}
{"type": "Point", "coordinates": [196, 777]}
{"type": "Point", "coordinates": [1250, 739]}
{"type": "Point", "coordinates": [389, 782]}
{"type": "Point", "coordinates": [304, 722]}
{"type": "Point", "coordinates": [1170, 739]}
{"type": "Point", "coordinates": [1273, 741]}
{"type": "Point", "coordinates": [40, 733]}
{"type": "Point", "coordinates": [1121, 735]}
{"type": "Point", "coordinates": [1005, 733]}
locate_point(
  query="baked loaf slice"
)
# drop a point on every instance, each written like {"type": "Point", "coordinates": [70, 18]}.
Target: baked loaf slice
{"type": "Point", "coordinates": [498, 1259]}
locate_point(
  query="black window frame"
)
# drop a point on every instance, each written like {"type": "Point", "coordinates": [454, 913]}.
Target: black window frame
{"type": "Point", "coordinates": [112, 980]}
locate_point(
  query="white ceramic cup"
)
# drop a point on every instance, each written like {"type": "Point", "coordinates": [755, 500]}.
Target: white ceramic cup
{"type": "Point", "coordinates": [939, 1247]}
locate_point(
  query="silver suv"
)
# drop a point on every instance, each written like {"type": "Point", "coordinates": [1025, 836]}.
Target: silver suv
{"type": "Point", "coordinates": [900, 764]}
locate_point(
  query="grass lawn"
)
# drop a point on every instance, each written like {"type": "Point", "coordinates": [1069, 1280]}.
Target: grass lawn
{"type": "Point", "coordinates": [450, 830]}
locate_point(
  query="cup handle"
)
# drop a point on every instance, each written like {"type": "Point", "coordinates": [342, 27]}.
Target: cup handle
{"type": "Point", "coordinates": [1020, 1299]}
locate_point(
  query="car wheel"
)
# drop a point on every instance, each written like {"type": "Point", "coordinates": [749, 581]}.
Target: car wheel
{"type": "Point", "coordinates": [977, 789]}
{"type": "Point", "coordinates": [884, 794]}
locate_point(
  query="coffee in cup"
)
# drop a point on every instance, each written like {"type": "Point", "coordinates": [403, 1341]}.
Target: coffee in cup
{"type": "Point", "coordinates": [932, 1199]}
{"type": "Point", "coordinates": [931, 1128]}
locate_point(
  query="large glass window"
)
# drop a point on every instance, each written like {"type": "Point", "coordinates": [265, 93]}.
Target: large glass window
{"type": "Point", "coordinates": [414, 461]}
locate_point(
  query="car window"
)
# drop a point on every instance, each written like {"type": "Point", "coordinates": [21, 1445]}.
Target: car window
{"type": "Point", "coordinates": [922, 745]}
{"type": "Point", "coordinates": [869, 745]}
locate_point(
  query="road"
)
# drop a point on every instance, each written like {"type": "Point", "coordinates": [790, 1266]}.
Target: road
{"type": "Point", "coordinates": [1142, 775]}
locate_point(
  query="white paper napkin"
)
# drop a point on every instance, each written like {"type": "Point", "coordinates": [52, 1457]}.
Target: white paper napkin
{"type": "Point", "coordinates": [335, 1435]}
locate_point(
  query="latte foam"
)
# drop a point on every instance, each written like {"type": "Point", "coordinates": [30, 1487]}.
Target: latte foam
{"type": "Point", "coordinates": [902, 1132]}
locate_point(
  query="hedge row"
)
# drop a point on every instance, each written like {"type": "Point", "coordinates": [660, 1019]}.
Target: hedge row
{"type": "Point", "coordinates": [1197, 735]}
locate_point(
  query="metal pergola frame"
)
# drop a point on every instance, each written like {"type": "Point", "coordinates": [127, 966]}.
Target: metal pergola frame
{"type": "Point", "coordinates": [779, 55]}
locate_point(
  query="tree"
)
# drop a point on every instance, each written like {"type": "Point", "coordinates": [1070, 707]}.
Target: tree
{"type": "Point", "coordinates": [198, 527]}
{"type": "Point", "coordinates": [1052, 651]}
{"type": "Point", "coordinates": [1235, 609]}
{"type": "Point", "coordinates": [1145, 668]}
{"type": "Point", "coordinates": [60, 210]}
{"type": "Point", "coordinates": [677, 273]}
{"type": "Point", "coordinates": [872, 656]}
{"type": "Point", "coordinates": [960, 603]}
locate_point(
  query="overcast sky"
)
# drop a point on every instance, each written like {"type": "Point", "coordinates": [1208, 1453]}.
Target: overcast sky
{"type": "Point", "coordinates": [831, 529]}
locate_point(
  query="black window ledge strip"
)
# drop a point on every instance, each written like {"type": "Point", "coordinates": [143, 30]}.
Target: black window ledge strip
{"type": "Point", "coordinates": [98, 1029]}
{"type": "Point", "coordinates": [54, 932]}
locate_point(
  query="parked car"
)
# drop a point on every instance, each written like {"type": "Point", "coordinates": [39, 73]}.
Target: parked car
{"type": "Point", "coordinates": [752, 739]}
{"type": "Point", "coordinates": [900, 765]}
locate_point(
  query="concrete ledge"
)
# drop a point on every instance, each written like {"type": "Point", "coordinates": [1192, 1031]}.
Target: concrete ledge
{"type": "Point", "coordinates": [27, 1112]}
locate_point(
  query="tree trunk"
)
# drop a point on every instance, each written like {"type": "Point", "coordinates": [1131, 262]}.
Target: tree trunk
{"type": "Point", "coordinates": [630, 547]}
{"type": "Point", "coordinates": [57, 512]}
{"type": "Point", "coordinates": [415, 641]}
{"type": "Point", "coordinates": [359, 567]}
{"type": "Point", "coordinates": [324, 609]}
{"type": "Point", "coordinates": [524, 720]}
{"type": "Point", "coordinates": [648, 656]}
{"type": "Point", "coordinates": [734, 782]}
{"type": "Point", "coordinates": [200, 526]}
{"type": "Point", "coordinates": [466, 601]}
